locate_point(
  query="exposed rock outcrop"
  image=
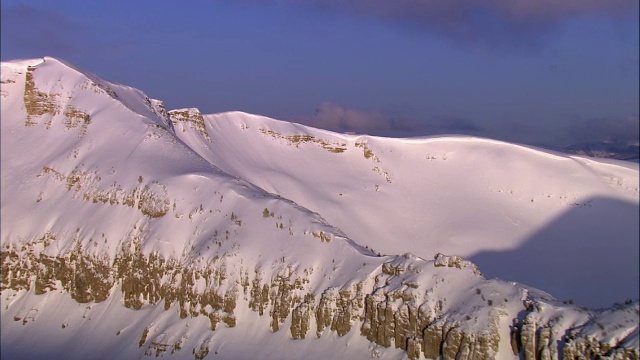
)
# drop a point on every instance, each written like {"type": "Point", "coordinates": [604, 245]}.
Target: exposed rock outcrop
{"type": "Point", "coordinates": [191, 117]}
{"type": "Point", "coordinates": [388, 315]}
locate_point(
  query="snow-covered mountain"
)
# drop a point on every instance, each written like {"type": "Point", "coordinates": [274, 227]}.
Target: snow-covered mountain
{"type": "Point", "coordinates": [129, 231]}
{"type": "Point", "coordinates": [518, 212]}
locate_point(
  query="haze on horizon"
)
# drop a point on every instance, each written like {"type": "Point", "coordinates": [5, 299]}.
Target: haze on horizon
{"type": "Point", "coordinates": [547, 73]}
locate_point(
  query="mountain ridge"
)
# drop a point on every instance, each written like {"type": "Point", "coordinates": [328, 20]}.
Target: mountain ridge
{"type": "Point", "coordinates": [525, 188]}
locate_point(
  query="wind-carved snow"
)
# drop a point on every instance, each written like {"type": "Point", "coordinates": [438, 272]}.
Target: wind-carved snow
{"type": "Point", "coordinates": [132, 231]}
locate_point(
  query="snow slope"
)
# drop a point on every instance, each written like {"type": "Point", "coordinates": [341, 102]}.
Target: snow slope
{"type": "Point", "coordinates": [124, 236]}
{"type": "Point", "coordinates": [497, 203]}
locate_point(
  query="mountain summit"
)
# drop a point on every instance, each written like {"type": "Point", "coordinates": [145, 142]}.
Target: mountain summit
{"type": "Point", "coordinates": [131, 231]}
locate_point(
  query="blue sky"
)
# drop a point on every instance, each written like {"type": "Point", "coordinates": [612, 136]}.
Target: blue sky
{"type": "Point", "coordinates": [548, 72]}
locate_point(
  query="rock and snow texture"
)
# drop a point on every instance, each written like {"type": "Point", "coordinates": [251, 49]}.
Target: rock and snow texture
{"type": "Point", "coordinates": [132, 231]}
{"type": "Point", "coordinates": [565, 224]}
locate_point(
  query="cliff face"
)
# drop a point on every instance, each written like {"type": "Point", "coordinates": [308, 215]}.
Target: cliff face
{"type": "Point", "coordinates": [392, 306]}
{"type": "Point", "coordinates": [107, 206]}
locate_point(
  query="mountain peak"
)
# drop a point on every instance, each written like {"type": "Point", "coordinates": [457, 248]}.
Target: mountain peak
{"type": "Point", "coordinates": [53, 83]}
{"type": "Point", "coordinates": [23, 63]}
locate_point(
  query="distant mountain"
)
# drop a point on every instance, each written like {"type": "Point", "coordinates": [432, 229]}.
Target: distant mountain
{"type": "Point", "coordinates": [606, 150]}
{"type": "Point", "coordinates": [129, 231]}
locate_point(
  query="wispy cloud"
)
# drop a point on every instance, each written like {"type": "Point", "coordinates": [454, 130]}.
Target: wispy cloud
{"type": "Point", "coordinates": [487, 22]}
{"type": "Point", "coordinates": [622, 131]}
{"type": "Point", "coordinates": [336, 117]}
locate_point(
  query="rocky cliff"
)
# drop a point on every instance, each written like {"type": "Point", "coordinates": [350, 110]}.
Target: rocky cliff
{"type": "Point", "coordinates": [438, 308]}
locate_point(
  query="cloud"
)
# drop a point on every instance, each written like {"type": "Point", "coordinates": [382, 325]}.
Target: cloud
{"type": "Point", "coordinates": [621, 131]}
{"type": "Point", "coordinates": [338, 118]}
{"type": "Point", "coordinates": [487, 22]}
{"type": "Point", "coordinates": [334, 117]}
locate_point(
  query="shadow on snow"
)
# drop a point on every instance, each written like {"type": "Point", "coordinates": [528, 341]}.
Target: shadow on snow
{"type": "Point", "coordinates": [590, 255]}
